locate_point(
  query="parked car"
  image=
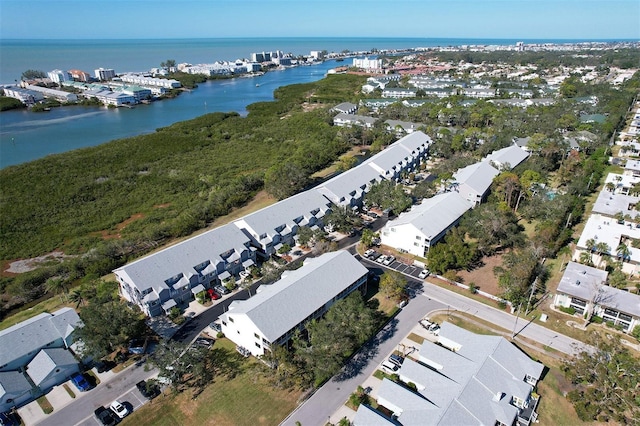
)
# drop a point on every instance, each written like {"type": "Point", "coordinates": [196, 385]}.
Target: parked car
{"type": "Point", "coordinates": [372, 215]}
{"type": "Point", "coordinates": [243, 351]}
{"type": "Point", "coordinates": [389, 260]}
{"type": "Point", "coordinates": [204, 342]}
{"type": "Point", "coordinates": [80, 381]}
{"type": "Point", "coordinates": [148, 389]}
{"type": "Point", "coordinates": [215, 327]}
{"type": "Point", "coordinates": [8, 419]}
{"type": "Point", "coordinates": [389, 367]}
{"type": "Point", "coordinates": [369, 252]}
{"type": "Point", "coordinates": [381, 258]}
{"type": "Point", "coordinates": [136, 346]}
{"type": "Point", "coordinates": [212, 294]}
{"type": "Point", "coordinates": [106, 417]}
{"type": "Point", "coordinates": [374, 256]}
{"type": "Point", "coordinates": [396, 359]}
{"type": "Point", "coordinates": [221, 289]}
{"type": "Point", "coordinates": [119, 409]}
{"type": "Point", "coordinates": [244, 275]}
{"type": "Point", "coordinates": [424, 274]}
{"type": "Point", "coordinates": [425, 323]}
{"type": "Point", "coordinates": [102, 366]}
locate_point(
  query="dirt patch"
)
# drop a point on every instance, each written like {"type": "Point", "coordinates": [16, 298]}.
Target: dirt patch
{"type": "Point", "coordinates": [11, 268]}
{"type": "Point", "coordinates": [483, 276]}
{"type": "Point", "coordinates": [110, 235]}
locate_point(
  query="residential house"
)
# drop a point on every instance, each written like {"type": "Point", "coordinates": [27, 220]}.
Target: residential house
{"type": "Point", "coordinates": [605, 236]}
{"type": "Point", "coordinates": [35, 356]}
{"type": "Point", "coordinates": [399, 92]}
{"type": "Point", "coordinates": [463, 379]}
{"type": "Point", "coordinates": [401, 127]}
{"type": "Point", "coordinates": [343, 119]}
{"type": "Point", "coordinates": [27, 97]}
{"type": "Point", "coordinates": [377, 104]}
{"type": "Point", "coordinates": [271, 227]}
{"type": "Point", "coordinates": [479, 92]}
{"type": "Point", "coordinates": [160, 281]}
{"type": "Point", "coordinates": [425, 224]}
{"type": "Point", "coordinates": [632, 168]}
{"type": "Point", "coordinates": [277, 310]}
{"type": "Point", "coordinates": [507, 158]}
{"type": "Point", "coordinates": [584, 289]}
{"type": "Point", "coordinates": [473, 182]}
{"type": "Point", "coordinates": [345, 108]}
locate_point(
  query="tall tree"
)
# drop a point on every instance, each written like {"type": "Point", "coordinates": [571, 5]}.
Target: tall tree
{"type": "Point", "coordinates": [606, 380]}
{"type": "Point", "coordinates": [393, 284]}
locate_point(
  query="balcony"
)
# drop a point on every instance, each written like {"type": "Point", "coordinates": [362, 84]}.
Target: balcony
{"type": "Point", "coordinates": [529, 415]}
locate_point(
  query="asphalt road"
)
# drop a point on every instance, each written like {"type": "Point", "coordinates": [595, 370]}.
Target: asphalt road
{"type": "Point", "coordinates": [120, 387]}
{"type": "Point", "coordinates": [326, 400]}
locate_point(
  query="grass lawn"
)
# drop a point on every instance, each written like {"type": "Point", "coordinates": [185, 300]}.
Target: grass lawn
{"type": "Point", "coordinates": [246, 399]}
{"type": "Point", "coordinates": [49, 305]}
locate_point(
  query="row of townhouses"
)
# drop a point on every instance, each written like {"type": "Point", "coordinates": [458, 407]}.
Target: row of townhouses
{"type": "Point", "coordinates": [462, 379]}
{"type": "Point", "coordinates": [36, 355]}
{"type": "Point", "coordinates": [611, 232]}
{"type": "Point", "coordinates": [171, 276]}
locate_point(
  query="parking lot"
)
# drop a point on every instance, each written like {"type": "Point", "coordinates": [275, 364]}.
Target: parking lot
{"type": "Point", "coordinates": [131, 400]}
{"type": "Point", "coordinates": [396, 265]}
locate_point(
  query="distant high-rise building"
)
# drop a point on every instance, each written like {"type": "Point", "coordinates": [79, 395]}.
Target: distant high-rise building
{"type": "Point", "coordinates": [58, 76]}
{"type": "Point", "coordinates": [103, 74]}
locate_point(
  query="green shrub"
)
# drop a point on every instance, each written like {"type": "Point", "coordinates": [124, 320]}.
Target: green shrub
{"type": "Point", "coordinates": [567, 310]}
{"type": "Point", "coordinates": [596, 319]}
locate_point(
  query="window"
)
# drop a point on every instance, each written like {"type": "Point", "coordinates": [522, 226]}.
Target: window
{"type": "Point", "coordinates": [258, 345]}
{"type": "Point", "coordinates": [418, 237]}
{"type": "Point", "coordinates": [230, 319]}
{"type": "Point", "coordinates": [256, 335]}
{"type": "Point", "coordinates": [416, 244]}
{"type": "Point", "coordinates": [224, 323]}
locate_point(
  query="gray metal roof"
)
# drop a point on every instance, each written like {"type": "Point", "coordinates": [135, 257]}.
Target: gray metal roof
{"type": "Point", "coordinates": [285, 213]}
{"type": "Point", "coordinates": [30, 335]}
{"type": "Point", "coordinates": [13, 382]}
{"type": "Point", "coordinates": [434, 215]}
{"type": "Point", "coordinates": [512, 155]}
{"type": "Point", "coordinates": [281, 306]}
{"type": "Point", "coordinates": [472, 386]}
{"type": "Point", "coordinates": [582, 281]}
{"type": "Point", "coordinates": [477, 176]}
{"type": "Point", "coordinates": [47, 361]}
{"type": "Point", "coordinates": [353, 118]}
{"type": "Point", "coordinates": [152, 271]}
{"type": "Point", "coordinates": [367, 416]}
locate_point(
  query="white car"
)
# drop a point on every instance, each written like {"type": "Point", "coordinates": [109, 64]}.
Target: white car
{"type": "Point", "coordinates": [389, 260]}
{"type": "Point", "coordinates": [119, 409]}
{"type": "Point", "coordinates": [424, 274]}
{"type": "Point", "coordinates": [381, 258]}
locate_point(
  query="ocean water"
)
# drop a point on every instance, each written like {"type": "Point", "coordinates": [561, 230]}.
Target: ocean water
{"type": "Point", "coordinates": [26, 136]}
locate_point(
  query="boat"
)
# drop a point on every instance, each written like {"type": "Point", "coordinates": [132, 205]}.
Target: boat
{"type": "Point", "coordinates": [257, 84]}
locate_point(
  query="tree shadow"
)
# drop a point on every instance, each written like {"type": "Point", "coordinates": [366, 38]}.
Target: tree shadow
{"type": "Point", "coordinates": [367, 352]}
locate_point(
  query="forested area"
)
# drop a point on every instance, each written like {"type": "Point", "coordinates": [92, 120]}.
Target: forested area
{"type": "Point", "coordinates": [174, 181]}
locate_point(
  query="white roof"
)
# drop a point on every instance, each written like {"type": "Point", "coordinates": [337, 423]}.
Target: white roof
{"type": "Point", "coordinates": [30, 335]}
{"type": "Point", "coordinates": [434, 215]}
{"type": "Point", "coordinates": [582, 281]}
{"type": "Point", "coordinates": [511, 155]}
{"type": "Point", "coordinates": [281, 306]}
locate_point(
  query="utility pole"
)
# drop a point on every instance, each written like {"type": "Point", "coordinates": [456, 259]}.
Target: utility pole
{"type": "Point", "coordinates": [533, 289]}
{"type": "Point", "coordinates": [515, 324]}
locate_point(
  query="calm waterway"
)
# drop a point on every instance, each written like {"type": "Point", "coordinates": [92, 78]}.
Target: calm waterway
{"type": "Point", "coordinates": [26, 136]}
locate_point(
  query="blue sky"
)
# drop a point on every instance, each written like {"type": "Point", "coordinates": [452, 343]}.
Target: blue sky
{"type": "Point", "coordinates": [511, 19]}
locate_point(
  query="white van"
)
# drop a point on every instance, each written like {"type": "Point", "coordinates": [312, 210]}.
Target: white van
{"type": "Point", "coordinates": [389, 367]}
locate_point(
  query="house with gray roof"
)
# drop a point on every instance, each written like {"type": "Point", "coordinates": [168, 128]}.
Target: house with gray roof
{"type": "Point", "coordinates": [348, 188]}
{"type": "Point", "coordinates": [584, 288]}
{"type": "Point", "coordinates": [376, 104]}
{"type": "Point", "coordinates": [271, 227]}
{"type": "Point", "coordinates": [51, 367]}
{"type": "Point", "coordinates": [402, 127]}
{"type": "Point", "coordinates": [15, 390]}
{"type": "Point", "coordinates": [33, 346]}
{"type": "Point", "coordinates": [463, 379]}
{"type": "Point", "coordinates": [342, 119]}
{"type": "Point", "coordinates": [399, 92]}
{"type": "Point", "coordinates": [425, 224]}
{"type": "Point", "coordinates": [161, 280]}
{"type": "Point", "coordinates": [277, 310]}
{"type": "Point", "coordinates": [20, 343]}
{"type": "Point", "coordinates": [473, 182]}
{"type": "Point", "coordinates": [507, 158]}
{"type": "Point", "coordinates": [345, 108]}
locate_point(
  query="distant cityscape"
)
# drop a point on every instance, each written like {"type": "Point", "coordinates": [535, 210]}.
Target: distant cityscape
{"type": "Point", "coordinates": [110, 88]}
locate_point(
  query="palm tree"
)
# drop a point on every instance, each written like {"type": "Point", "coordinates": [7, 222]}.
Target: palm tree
{"type": "Point", "coordinates": [77, 297]}
{"type": "Point", "coordinates": [603, 250]}
{"type": "Point", "coordinates": [585, 258]}
{"type": "Point", "coordinates": [591, 245]}
{"type": "Point", "coordinates": [56, 285]}
{"type": "Point", "coordinates": [623, 252]}
{"type": "Point", "coordinates": [610, 186]}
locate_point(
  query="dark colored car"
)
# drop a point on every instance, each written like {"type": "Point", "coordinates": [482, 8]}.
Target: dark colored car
{"type": "Point", "coordinates": [102, 366]}
{"type": "Point", "coordinates": [396, 359]}
{"type": "Point", "coordinates": [80, 382]}
{"type": "Point", "coordinates": [106, 416]}
{"type": "Point", "coordinates": [8, 419]}
{"type": "Point", "coordinates": [148, 390]}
